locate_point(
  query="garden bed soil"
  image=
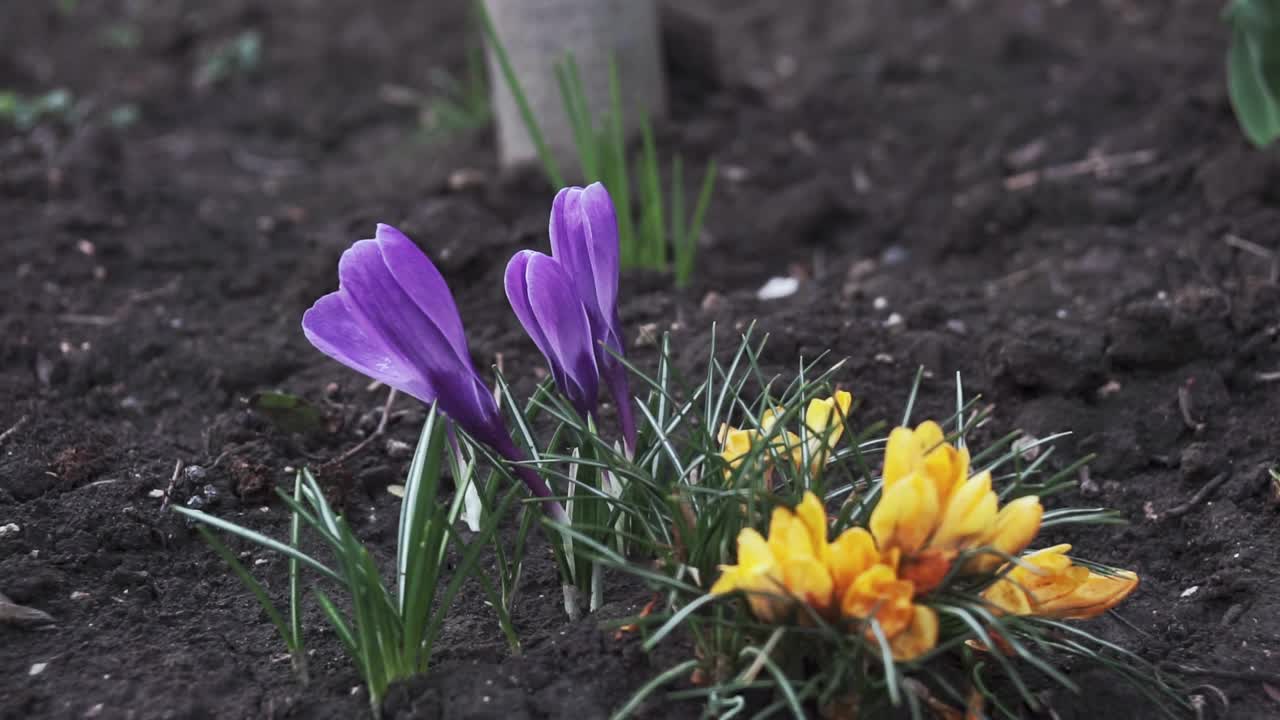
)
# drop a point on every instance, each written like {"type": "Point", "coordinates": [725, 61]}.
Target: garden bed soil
{"type": "Point", "coordinates": [918, 167]}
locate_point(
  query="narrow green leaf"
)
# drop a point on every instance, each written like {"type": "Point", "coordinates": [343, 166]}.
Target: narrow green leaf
{"type": "Point", "coordinates": [257, 538]}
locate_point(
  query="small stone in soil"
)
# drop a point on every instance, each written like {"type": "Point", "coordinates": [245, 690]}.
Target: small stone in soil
{"type": "Point", "coordinates": [9, 529]}
{"type": "Point", "coordinates": [194, 473]}
{"type": "Point", "coordinates": [37, 668]}
{"type": "Point", "coordinates": [777, 288]}
{"type": "Point", "coordinates": [398, 449]}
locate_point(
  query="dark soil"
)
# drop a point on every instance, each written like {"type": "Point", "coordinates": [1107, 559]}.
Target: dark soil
{"type": "Point", "coordinates": [153, 277]}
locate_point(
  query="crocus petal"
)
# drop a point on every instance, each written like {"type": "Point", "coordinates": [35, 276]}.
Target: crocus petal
{"type": "Point", "coordinates": [919, 637]}
{"type": "Point", "coordinates": [424, 284]}
{"type": "Point", "coordinates": [1098, 594]}
{"type": "Point", "coordinates": [851, 554]}
{"type": "Point", "coordinates": [906, 514]}
{"type": "Point", "coordinates": [374, 296]}
{"type": "Point", "coordinates": [900, 455]}
{"type": "Point", "coordinates": [548, 307]}
{"type": "Point", "coordinates": [813, 517]}
{"type": "Point", "coordinates": [600, 236]}
{"type": "Point", "coordinates": [335, 331]}
{"type": "Point", "coordinates": [1013, 529]}
{"type": "Point", "coordinates": [879, 593]}
{"type": "Point", "coordinates": [969, 512]}
{"type": "Point", "coordinates": [568, 248]}
{"type": "Point", "coordinates": [559, 313]}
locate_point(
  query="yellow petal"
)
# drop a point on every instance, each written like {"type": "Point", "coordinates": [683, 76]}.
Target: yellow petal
{"type": "Point", "coordinates": [759, 576]}
{"type": "Point", "coordinates": [879, 593]}
{"type": "Point", "coordinates": [809, 581]}
{"type": "Point", "coordinates": [1098, 594]}
{"type": "Point", "coordinates": [906, 515]}
{"type": "Point", "coordinates": [780, 522]}
{"type": "Point", "coordinates": [851, 554]}
{"type": "Point", "coordinates": [813, 516]}
{"type": "Point", "coordinates": [901, 455]}
{"type": "Point", "coordinates": [735, 446]}
{"type": "Point", "coordinates": [968, 515]}
{"type": "Point", "coordinates": [919, 637]}
{"type": "Point", "coordinates": [1014, 528]}
{"type": "Point", "coordinates": [729, 580]}
{"type": "Point", "coordinates": [753, 551]}
{"type": "Point", "coordinates": [1005, 596]}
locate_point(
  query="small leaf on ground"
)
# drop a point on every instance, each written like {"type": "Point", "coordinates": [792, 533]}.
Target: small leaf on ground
{"type": "Point", "coordinates": [287, 412]}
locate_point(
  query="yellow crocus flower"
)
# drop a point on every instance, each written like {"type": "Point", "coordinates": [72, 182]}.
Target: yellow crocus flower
{"type": "Point", "coordinates": [824, 422]}
{"type": "Point", "coordinates": [847, 578]}
{"type": "Point", "coordinates": [735, 444]}
{"type": "Point", "coordinates": [925, 451]}
{"type": "Point", "coordinates": [790, 565]}
{"type": "Point", "coordinates": [932, 511]}
{"type": "Point", "coordinates": [1049, 584]}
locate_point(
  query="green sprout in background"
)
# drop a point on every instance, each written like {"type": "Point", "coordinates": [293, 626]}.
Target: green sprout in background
{"type": "Point", "coordinates": [1253, 67]}
{"type": "Point", "coordinates": [665, 238]}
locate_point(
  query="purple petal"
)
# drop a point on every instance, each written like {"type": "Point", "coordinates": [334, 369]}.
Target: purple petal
{"type": "Point", "coordinates": [336, 332]}
{"type": "Point", "coordinates": [374, 296]}
{"type": "Point", "coordinates": [600, 238]}
{"type": "Point", "coordinates": [563, 321]}
{"type": "Point", "coordinates": [517, 288]}
{"type": "Point", "coordinates": [424, 284]}
{"type": "Point", "coordinates": [568, 245]}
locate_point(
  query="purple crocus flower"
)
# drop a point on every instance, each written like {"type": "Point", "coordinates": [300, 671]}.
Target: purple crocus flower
{"type": "Point", "coordinates": [546, 301]}
{"type": "Point", "coordinates": [394, 319]}
{"type": "Point", "coordinates": [584, 252]}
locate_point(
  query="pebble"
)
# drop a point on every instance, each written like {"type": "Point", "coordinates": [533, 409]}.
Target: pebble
{"type": "Point", "coordinates": [1026, 447]}
{"type": "Point", "coordinates": [156, 493]}
{"type": "Point", "coordinates": [37, 668]}
{"type": "Point", "coordinates": [466, 178]}
{"type": "Point", "coordinates": [880, 303]}
{"type": "Point", "coordinates": [398, 449]}
{"type": "Point", "coordinates": [194, 473]}
{"type": "Point", "coordinates": [894, 321]}
{"type": "Point", "coordinates": [958, 327]}
{"type": "Point", "coordinates": [712, 301]}
{"type": "Point", "coordinates": [94, 711]}
{"type": "Point", "coordinates": [1190, 591]}
{"type": "Point", "coordinates": [79, 595]}
{"type": "Point", "coordinates": [777, 288]}
{"type": "Point", "coordinates": [647, 335]}
{"type": "Point", "coordinates": [9, 529]}
{"type": "Point", "coordinates": [895, 255]}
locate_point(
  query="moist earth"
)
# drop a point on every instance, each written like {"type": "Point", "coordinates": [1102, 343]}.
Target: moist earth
{"type": "Point", "coordinates": [1052, 200]}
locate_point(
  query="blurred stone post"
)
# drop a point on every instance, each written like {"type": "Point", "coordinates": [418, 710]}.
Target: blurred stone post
{"type": "Point", "coordinates": [540, 34]}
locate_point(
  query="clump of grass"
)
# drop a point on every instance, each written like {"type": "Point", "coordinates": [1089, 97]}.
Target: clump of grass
{"type": "Point", "coordinates": [390, 631]}
{"type": "Point", "coordinates": [682, 501]}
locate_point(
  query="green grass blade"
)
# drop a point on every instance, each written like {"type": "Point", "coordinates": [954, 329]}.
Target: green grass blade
{"type": "Point", "coordinates": [258, 539]}
{"type": "Point", "coordinates": [250, 582]}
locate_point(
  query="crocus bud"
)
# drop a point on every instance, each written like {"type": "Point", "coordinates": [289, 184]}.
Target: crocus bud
{"type": "Point", "coordinates": [548, 306]}
{"type": "Point", "coordinates": [394, 319]}
{"type": "Point", "coordinates": [584, 240]}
